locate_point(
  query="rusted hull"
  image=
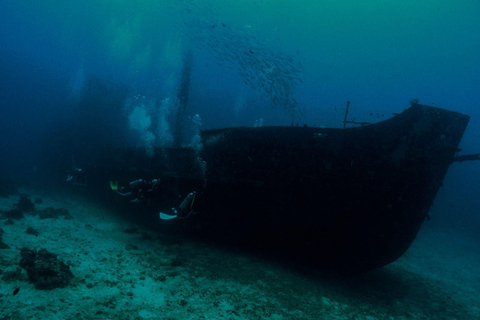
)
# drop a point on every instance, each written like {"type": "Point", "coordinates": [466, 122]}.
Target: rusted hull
{"type": "Point", "coordinates": [352, 199]}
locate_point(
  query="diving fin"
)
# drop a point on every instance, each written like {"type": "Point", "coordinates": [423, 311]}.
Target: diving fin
{"type": "Point", "coordinates": [124, 194]}
{"type": "Point", "coordinates": [165, 216]}
{"type": "Point", "coordinates": [114, 185]}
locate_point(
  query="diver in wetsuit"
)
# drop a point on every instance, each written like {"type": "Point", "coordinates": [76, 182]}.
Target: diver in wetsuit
{"type": "Point", "coordinates": [144, 191]}
{"type": "Point", "coordinates": [188, 206]}
{"type": "Point", "coordinates": [141, 190]}
{"type": "Point", "coordinates": [76, 176]}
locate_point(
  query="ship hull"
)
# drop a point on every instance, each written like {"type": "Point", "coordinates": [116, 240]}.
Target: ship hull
{"type": "Point", "coordinates": [347, 199]}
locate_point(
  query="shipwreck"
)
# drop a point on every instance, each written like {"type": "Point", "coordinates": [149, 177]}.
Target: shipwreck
{"type": "Point", "coordinates": [348, 199]}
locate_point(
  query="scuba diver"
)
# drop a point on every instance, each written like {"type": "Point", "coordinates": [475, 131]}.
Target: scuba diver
{"type": "Point", "coordinates": [144, 191]}
{"type": "Point", "coordinates": [76, 176]}
{"type": "Point", "coordinates": [140, 190]}
{"type": "Point", "coordinates": [188, 206]}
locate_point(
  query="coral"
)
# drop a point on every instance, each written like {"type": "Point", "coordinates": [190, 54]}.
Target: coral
{"type": "Point", "coordinates": [44, 270]}
{"type": "Point", "coordinates": [2, 244]}
{"type": "Point", "coordinates": [13, 214]}
{"type": "Point", "coordinates": [32, 231]}
{"type": "Point", "coordinates": [25, 204]}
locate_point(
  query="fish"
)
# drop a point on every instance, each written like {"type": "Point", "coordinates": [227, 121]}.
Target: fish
{"type": "Point", "coordinates": [16, 291]}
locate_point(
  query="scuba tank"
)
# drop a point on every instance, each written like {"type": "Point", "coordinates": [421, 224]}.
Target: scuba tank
{"type": "Point", "coordinates": [188, 201]}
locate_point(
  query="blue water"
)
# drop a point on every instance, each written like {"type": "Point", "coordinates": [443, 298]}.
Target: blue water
{"type": "Point", "coordinates": [272, 62]}
{"type": "Point", "coordinates": [82, 76]}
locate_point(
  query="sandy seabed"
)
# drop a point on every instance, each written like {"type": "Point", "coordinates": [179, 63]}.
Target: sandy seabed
{"type": "Point", "coordinates": [122, 271]}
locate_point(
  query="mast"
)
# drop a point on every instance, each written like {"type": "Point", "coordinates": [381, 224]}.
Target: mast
{"type": "Point", "coordinates": [182, 97]}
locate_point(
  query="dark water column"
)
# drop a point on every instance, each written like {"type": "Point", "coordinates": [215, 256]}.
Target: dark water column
{"type": "Point", "coordinates": [183, 99]}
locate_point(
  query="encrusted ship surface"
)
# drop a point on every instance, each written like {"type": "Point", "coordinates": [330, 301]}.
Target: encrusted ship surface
{"type": "Point", "coordinates": [349, 199]}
